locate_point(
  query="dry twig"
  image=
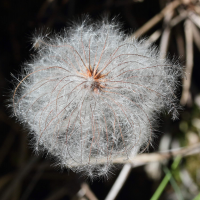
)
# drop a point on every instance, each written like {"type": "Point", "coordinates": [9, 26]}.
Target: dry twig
{"type": "Point", "coordinates": [157, 18]}
{"type": "Point", "coordinates": [86, 191]}
{"type": "Point", "coordinates": [119, 182]}
{"type": "Point", "coordinates": [144, 159]}
{"type": "Point", "coordinates": [196, 36]}
{"type": "Point", "coordinates": [195, 18]}
{"type": "Point", "coordinates": [189, 62]}
{"type": "Point", "coordinates": [164, 43]}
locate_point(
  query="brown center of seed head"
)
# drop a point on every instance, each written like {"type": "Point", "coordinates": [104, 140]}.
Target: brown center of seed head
{"type": "Point", "coordinates": [96, 86]}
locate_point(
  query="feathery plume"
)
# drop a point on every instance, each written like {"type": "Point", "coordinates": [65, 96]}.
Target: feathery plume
{"type": "Point", "coordinates": [91, 95]}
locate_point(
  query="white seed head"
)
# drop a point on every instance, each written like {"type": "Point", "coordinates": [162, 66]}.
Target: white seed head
{"type": "Point", "coordinates": [91, 95]}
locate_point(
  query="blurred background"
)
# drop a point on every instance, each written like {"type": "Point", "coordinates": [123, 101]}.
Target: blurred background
{"type": "Point", "coordinates": [174, 26]}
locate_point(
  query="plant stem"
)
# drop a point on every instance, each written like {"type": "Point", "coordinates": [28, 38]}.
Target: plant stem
{"type": "Point", "coordinates": [166, 179]}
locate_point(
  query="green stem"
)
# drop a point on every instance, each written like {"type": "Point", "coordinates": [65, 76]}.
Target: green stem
{"type": "Point", "coordinates": [197, 197]}
{"type": "Point", "coordinates": [165, 180]}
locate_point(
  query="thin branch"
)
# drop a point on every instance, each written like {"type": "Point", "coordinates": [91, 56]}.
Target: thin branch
{"type": "Point", "coordinates": [180, 44]}
{"type": "Point", "coordinates": [197, 9]}
{"type": "Point", "coordinates": [86, 191]}
{"type": "Point", "coordinates": [164, 43]}
{"type": "Point", "coordinates": [188, 181]}
{"type": "Point", "coordinates": [189, 62]}
{"type": "Point", "coordinates": [196, 36]}
{"type": "Point", "coordinates": [145, 158]}
{"type": "Point", "coordinates": [157, 18]}
{"type": "Point", "coordinates": [194, 18]}
{"type": "Point", "coordinates": [119, 182]}
{"type": "Point", "coordinates": [154, 37]}
{"type": "Point", "coordinates": [182, 15]}
{"type": "Point", "coordinates": [175, 21]}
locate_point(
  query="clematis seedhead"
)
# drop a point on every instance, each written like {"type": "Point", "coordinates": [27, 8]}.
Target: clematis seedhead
{"type": "Point", "coordinates": [91, 95]}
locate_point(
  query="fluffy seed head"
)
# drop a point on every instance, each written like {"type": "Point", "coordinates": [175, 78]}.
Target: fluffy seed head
{"type": "Point", "coordinates": [91, 94]}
